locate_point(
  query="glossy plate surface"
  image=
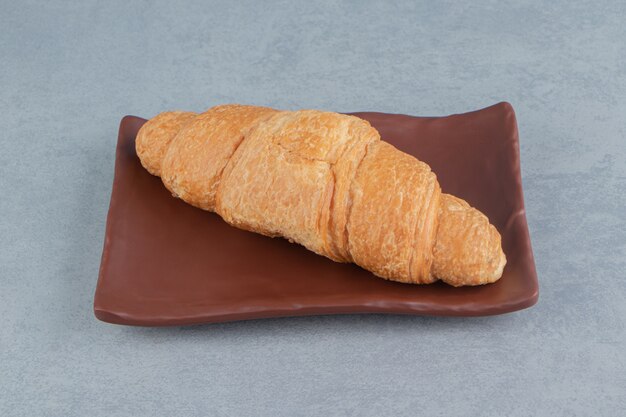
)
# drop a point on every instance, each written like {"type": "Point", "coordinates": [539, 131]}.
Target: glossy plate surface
{"type": "Point", "coordinates": [167, 263]}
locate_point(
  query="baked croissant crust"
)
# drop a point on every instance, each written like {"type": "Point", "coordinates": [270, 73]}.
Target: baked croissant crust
{"type": "Point", "coordinates": [326, 181]}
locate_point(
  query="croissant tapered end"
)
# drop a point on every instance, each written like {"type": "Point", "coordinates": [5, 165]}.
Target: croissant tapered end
{"type": "Point", "coordinates": [468, 249]}
{"type": "Point", "coordinates": [154, 137]}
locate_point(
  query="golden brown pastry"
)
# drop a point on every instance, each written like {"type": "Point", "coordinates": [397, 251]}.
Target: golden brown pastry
{"type": "Point", "coordinates": [327, 182]}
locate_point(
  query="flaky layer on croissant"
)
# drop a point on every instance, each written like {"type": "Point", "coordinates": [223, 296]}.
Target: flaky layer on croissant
{"type": "Point", "coordinates": [326, 181]}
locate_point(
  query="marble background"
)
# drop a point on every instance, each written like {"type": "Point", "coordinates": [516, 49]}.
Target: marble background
{"type": "Point", "coordinates": [70, 70]}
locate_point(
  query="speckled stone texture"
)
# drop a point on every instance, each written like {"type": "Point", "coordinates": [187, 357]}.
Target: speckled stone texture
{"type": "Point", "coordinates": [70, 70]}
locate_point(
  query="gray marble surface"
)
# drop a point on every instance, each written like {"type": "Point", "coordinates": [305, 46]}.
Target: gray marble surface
{"type": "Point", "coordinates": [70, 70]}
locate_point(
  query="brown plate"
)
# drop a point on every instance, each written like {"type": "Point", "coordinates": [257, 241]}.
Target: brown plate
{"type": "Point", "coordinates": [167, 263]}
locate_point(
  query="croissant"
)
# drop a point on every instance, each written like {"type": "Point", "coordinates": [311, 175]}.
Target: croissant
{"type": "Point", "coordinates": [326, 181]}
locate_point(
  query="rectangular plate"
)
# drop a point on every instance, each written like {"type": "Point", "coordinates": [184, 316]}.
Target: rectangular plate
{"type": "Point", "coordinates": [167, 263]}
